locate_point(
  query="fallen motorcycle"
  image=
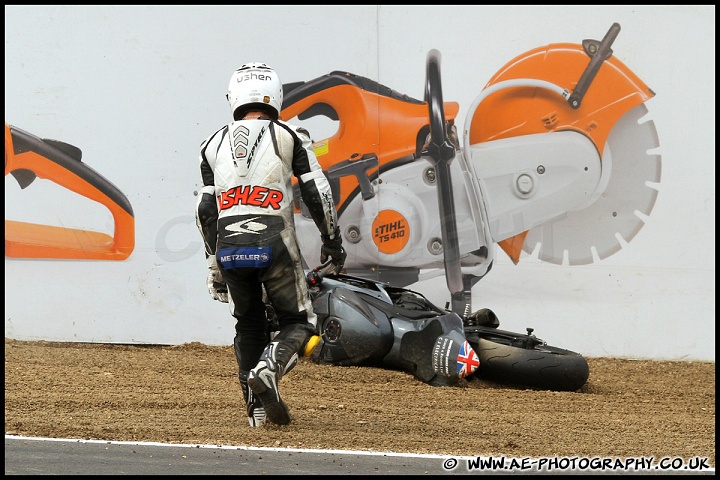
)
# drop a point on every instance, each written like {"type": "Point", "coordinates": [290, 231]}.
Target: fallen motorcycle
{"type": "Point", "coordinates": [363, 322]}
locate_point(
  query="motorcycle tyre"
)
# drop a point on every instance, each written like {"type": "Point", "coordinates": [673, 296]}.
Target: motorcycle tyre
{"type": "Point", "coordinates": [543, 367]}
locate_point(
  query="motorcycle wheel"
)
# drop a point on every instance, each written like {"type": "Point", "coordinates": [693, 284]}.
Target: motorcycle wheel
{"type": "Point", "coordinates": [515, 359]}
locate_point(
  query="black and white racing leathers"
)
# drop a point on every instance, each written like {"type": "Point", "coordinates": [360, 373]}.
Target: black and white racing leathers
{"type": "Point", "coordinates": [245, 214]}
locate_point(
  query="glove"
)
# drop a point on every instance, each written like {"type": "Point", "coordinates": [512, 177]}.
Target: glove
{"type": "Point", "coordinates": [215, 282]}
{"type": "Point", "coordinates": [332, 248]}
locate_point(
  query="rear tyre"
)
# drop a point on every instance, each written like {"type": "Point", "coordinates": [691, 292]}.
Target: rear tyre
{"type": "Point", "coordinates": [541, 367]}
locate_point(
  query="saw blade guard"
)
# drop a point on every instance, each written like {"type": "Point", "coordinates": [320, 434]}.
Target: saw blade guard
{"type": "Point", "coordinates": [531, 96]}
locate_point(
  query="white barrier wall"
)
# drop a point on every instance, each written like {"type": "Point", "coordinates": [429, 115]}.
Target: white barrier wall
{"type": "Point", "coordinates": [137, 88]}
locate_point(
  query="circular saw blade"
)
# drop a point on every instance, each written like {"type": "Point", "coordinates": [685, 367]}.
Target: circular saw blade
{"type": "Point", "coordinates": [628, 170]}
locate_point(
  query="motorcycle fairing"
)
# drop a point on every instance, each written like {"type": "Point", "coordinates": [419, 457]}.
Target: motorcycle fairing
{"type": "Point", "coordinates": [366, 323]}
{"type": "Point", "coordinates": [352, 331]}
{"type": "Point", "coordinates": [27, 157]}
{"type": "Point", "coordinates": [518, 111]}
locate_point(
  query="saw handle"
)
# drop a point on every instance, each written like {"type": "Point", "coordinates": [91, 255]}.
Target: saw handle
{"type": "Point", "coordinates": [598, 52]}
{"type": "Point", "coordinates": [27, 157]}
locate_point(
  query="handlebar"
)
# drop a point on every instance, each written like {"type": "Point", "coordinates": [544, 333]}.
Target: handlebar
{"type": "Point", "coordinates": [315, 276]}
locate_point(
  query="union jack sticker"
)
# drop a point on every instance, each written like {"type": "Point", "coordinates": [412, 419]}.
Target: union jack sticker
{"type": "Point", "coordinates": [467, 361]}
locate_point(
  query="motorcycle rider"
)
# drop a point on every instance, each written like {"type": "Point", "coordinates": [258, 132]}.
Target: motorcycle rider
{"type": "Point", "coordinates": [245, 215]}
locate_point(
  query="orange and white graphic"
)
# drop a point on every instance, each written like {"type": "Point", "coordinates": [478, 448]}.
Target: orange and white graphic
{"type": "Point", "coordinates": [28, 157]}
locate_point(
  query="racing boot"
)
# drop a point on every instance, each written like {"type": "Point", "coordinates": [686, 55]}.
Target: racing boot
{"type": "Point", "coordinates": [278, 358]}
{"type": "Point", "coordinates": [255, 410]}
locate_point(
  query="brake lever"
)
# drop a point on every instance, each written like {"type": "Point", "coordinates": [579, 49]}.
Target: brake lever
{"type": "Point", "coordinates": [315, 276]}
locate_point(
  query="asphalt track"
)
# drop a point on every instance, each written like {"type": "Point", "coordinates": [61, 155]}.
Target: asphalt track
{"type": "Point", "coordinates": [46, 456]}
{"type": "Point", "coordinates": [52, 456]}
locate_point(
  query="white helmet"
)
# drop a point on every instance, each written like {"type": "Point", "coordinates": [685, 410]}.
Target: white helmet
{"type": "Point", "coordinates": [255, 86]}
